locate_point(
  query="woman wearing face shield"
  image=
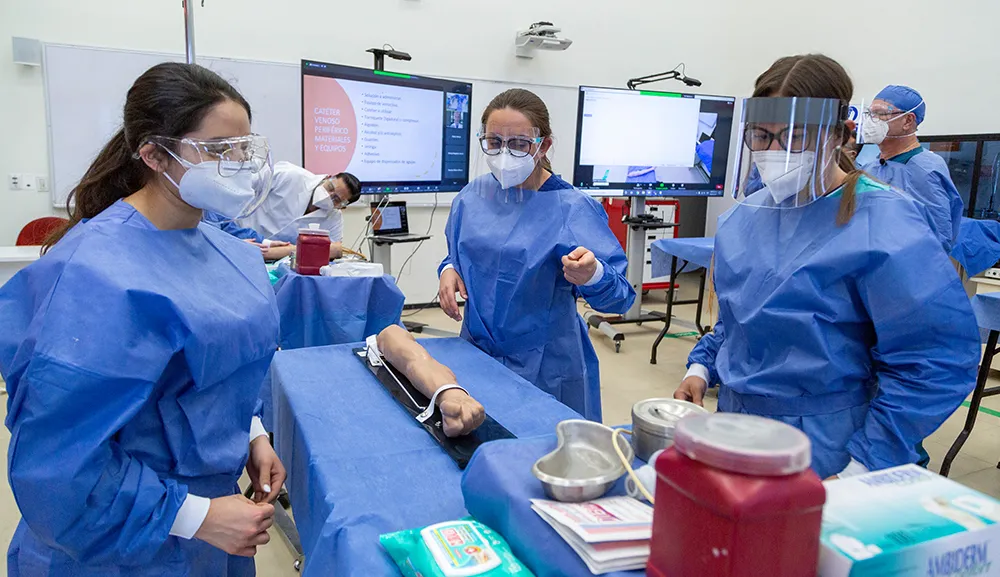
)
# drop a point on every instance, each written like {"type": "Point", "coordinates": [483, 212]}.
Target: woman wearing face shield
{"type": "Point", "coordinates": [523, 245]}
{"type": "Point", "coordinates": [297, 199]}
{"type": "Point", "coordinates": [135, 348]}
{"type": "Point", "coordinates": [824, 322]}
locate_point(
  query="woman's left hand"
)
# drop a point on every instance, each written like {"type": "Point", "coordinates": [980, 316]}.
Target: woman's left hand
{"type": "Point", "coordinates": [266, 472]}
{"type": "Point", "coordinates": [579, 266]}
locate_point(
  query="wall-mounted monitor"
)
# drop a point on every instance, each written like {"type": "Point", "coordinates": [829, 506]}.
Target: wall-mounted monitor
{"type": "Point", "coordinates": [643, 143]}
{"type": "Point", "coordinates": [398, 133]}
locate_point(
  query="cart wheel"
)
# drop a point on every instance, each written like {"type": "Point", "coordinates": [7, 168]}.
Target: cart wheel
{"type": "Point", "coordinates": [298, 565]}
{"type": "Point", "coordinates": [618, 346]}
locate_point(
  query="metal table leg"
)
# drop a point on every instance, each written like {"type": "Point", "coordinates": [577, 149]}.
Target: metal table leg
{"type": "Point", "coordinates": [670, 309]}
{"type": "Point", "coordinates": [978, 395]}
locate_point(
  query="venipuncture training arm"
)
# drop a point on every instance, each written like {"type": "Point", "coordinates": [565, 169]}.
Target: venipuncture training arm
{"type": "Point", "coordinates": [462, 414]}
{"type": "Point", "coordinates": [704, 354]}
{"type": "Point", "coordinates": [588, 226]}
{"type": "Point", "coordinates": [927, 343]}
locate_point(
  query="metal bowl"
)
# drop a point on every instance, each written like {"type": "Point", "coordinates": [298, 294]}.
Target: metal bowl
{"type": "Point", "coordinates": [584, 465]}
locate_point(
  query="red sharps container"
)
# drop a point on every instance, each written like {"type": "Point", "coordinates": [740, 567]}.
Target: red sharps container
{"type": "Point", "coordinates": [312, 250]}
{"type": "Point", "coordinates": [735, 498]}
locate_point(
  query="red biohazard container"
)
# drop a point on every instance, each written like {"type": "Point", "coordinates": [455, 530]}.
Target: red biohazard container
{"type": "Point", "coordinates": [312, 250]}
{"type": "Point", "coordinates": [735, 498]}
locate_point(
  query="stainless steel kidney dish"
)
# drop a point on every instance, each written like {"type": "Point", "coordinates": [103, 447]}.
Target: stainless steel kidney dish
{"type": "Point", "coordinates": [584, 465]}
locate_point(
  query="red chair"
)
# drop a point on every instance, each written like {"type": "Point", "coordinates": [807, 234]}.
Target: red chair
{"type": "Point", "coordinates": [35, 232]}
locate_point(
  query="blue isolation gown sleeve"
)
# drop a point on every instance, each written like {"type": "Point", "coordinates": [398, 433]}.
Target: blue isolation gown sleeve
{"type": "Point", "coordinates": [230, 227]}
{"type": "Point", "coordinates": [927, 343]}
{"type": "Point", "coordinates": [705, 351]}
{"type": "Point", "coordinates": [97, 355]}
{"type": "Point", "coordinates": [932, 185]}
{"type": "Point", "coordinates": [588, 227]}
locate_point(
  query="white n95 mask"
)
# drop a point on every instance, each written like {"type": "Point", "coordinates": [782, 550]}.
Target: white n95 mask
{"type": "Point", "coordinates": [321, 198]}
{"type": "Point", "coordinates": [874, 130]}
{"type": "Point", "coordinates": [203, 186]}
{"type": "Point", "coordinates": [510, 171]}
{"type": "Point", "coordinates": [785, 174]}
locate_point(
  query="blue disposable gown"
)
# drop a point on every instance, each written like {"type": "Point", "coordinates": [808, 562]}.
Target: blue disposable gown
{"type": "Point", "coordinates": [231, 227]}
{"type": "Point", "coordinates": [521, 310]}
{"type": "Point", "coordinates": [133, 359]}
{"type": "Point", "coordinates": [977, 247]}
{"type": "Point", "coordinates": [834, 330]}
{"type": "Point", "coordinates": [925, 177]}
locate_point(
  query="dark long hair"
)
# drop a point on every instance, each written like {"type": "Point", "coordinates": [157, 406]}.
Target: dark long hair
{"type": "Point", "coordinates": [531, 106]}
{"type": "Point", "coordinates": [169, 99]}
{"type": "Point", "coordinates": [817, 76]}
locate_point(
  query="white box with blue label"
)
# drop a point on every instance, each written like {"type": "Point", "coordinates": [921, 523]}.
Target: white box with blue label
{"type": "Point", "coordinates": [908, 522]}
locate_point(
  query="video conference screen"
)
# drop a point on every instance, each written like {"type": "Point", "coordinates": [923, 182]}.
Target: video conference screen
{"type": "Point", "coordinates": [642, 143]}
{"type": "Point", "coordinates": [397, 133]}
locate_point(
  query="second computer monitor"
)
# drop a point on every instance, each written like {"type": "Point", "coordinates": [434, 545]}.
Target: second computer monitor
{"type": "Point", "coordinates": [641, 143]}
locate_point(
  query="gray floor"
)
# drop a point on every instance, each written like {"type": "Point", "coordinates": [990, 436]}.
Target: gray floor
{"type": "Point", "coordinates": [626, 378]}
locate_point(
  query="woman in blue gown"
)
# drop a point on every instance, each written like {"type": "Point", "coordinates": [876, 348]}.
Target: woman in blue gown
{"type": "Point", "coordinates": [523, 245]}
{"type": "Point", "coordinates": [839, 313]}
{"type": "Point", "coordinates": [135, 348]}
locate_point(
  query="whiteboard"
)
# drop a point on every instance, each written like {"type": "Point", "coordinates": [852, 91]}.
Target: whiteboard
{"type": "Point", "coordinates": [85, 89]}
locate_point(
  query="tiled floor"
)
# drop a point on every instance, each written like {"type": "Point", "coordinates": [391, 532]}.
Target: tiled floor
{"type": "Point", "coordinates": [628, 377]}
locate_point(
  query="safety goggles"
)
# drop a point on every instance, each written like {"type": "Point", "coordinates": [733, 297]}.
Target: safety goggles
{"type": "Point", "coordinates": [232, 155]}
{"type": "Point", "coordinates": [518, 145]}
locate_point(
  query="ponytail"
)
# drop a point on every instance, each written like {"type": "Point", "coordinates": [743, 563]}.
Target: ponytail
{"type": "Point", "coordinates": [848, 196]}
{"type": "Point", "coordinates": [113, 175]}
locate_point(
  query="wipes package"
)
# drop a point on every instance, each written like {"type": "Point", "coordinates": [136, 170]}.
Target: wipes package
{"type": "Point", "coordinates": [908, 521]}
{"type": "Point", "coordinates": [463, 548]}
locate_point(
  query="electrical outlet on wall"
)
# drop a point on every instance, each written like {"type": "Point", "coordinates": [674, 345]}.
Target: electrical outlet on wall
{"type": "Point", "coordinates": [15, 181]}
{"type": "Point", "coordinates": [42, 183]}
{"type": "Point", "coordinates": [28, 182]}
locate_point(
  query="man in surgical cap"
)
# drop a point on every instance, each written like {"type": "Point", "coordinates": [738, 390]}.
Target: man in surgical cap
{"type": "Point", "coordinates": [892, 123]}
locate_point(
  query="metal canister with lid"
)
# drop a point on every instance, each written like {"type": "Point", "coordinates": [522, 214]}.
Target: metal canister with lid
{"type": "Point", "coordinates": [654, 421]}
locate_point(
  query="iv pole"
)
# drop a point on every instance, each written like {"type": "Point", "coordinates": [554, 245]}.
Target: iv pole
{"type": "Point", "coordinates": [189, 29]}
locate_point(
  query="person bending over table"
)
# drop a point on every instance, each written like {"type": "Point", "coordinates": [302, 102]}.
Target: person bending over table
{"type": "Point", "coordinates": [461, 414]}
{"type": "Point", "coordinates": [297, 199]}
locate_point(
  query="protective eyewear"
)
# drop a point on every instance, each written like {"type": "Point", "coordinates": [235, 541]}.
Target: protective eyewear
{"type": "Point", "coordinates": [792, 139]}
{"type": "Point", "coordinates": [887, 115]}
{"type": "Point", "coordinates": [233, 155]}
{"type": "Point", "coordinates": [518, 146]}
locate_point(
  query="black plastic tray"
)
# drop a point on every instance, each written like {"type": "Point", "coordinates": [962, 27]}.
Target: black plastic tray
{"type": "Point", "coordinates": [460, 449]}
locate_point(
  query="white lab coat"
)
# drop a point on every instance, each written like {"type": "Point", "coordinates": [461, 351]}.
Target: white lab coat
{"type": "Point", "coordinates": [282, 214]}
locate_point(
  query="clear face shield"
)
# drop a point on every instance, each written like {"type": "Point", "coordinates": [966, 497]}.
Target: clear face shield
{"type": "Point", "coordinates": [240, 165]}
{"type": "Point", "coordinates": [511, 156]}
{"type": "Point", "coordinates": [787, 147]}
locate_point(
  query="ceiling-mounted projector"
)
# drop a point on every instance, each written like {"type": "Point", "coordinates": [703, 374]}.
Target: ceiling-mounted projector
{"type": "Point", "coordinates": [539, 36]}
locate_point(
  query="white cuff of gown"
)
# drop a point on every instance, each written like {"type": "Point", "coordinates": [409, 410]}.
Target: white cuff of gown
{"type": "Point", "coordinates": [700, 371]}
{"type": "Point", "coordinates": [191, 515]}
{"type": "Point", "coordinates": [448, 266]}
{"type": "Point", "coordinates": [257, 428]}
{"type": "Point", "coordinates": [853, 469]}
{"type": "Point", "coordinates": [598, 275]}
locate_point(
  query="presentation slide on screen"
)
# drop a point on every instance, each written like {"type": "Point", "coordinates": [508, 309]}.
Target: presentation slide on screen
{"type": "Point", "coordinates": [376, 132]}
{"type": "Point", "coordinates": [649, 132]}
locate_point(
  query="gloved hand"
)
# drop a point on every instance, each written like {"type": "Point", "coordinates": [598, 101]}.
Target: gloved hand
{"type": "Point", "coordinates": [692, 389]}
{"type": "Point", "coordinates": [236, 525]}
{"type": "Point", "coordinates": [462, 414]}
{"type": "Point", "coordinates": [579, 266]}
{"type": "Point", "coordinates": [450, 284]}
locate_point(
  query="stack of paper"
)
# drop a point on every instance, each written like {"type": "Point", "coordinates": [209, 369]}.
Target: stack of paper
{"type": "Point", "coordinates": [610, 534]}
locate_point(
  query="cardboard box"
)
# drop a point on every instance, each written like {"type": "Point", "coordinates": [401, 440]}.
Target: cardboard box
{"type": "Point", "coordinates": [905, 522]}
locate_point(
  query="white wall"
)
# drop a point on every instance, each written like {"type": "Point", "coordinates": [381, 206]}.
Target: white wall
{"type": "Point", "coordinates": [948, 50]}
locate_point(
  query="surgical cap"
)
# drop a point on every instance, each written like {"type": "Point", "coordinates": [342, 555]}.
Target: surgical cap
{"type": "Point", "coordinates": [904, 98]}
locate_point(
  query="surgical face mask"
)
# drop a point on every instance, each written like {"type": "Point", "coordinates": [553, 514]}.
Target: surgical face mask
{"type": "Point", "coordinates": [785, 174]}
{"type": "Point", "coordinates": [203, 186]}
{"type": "Point", "coordinates": [321, 199]}
{"type": "Point", "coordinates": [510, 171]}
{"type": "Point", "coordinates": [874, 130]}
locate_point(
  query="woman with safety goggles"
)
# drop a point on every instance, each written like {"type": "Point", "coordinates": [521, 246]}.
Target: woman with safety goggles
{"type": "Point", "coordinates": [523, 245]}
{"type": "Point", "coordinates": [824, 322]}
{"type": "Point", "coordinates": [134, 350]}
